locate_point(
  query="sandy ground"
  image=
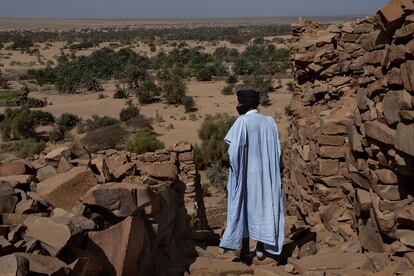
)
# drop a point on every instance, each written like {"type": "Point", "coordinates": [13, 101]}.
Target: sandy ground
{"type": "Point", "coordinates": [177, 125]}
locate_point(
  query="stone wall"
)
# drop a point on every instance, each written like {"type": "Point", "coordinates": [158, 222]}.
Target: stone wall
{"type": "Point", "coordinates": [349, 166]}
{"type": "Point", "coordinates": [111, 213]}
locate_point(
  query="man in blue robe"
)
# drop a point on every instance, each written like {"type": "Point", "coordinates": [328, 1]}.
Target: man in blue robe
{"type": "Point", "coordinates": [255, 198]}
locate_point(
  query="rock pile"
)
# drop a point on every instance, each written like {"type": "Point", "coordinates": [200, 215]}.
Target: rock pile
{"type": "Point", "coordinates": [349, 166]}
{"type": "Point", "coordinates": [111, 213]}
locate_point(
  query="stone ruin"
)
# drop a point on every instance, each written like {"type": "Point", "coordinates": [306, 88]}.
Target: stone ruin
{"type": "Point", "coordinates": [113, 213]}
{"type": "Point", "coordinates": [349, 164]}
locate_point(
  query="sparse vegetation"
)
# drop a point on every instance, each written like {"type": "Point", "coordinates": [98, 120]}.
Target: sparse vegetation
{"type": "Point", "coordinates": [29, 147]}
{"type": "Point", "coordinates": [65, 123]}
{"type": "Point", "coordinates": [109, 137]}
{"type": "Point", "coordinates": [212, 132]}
{"type": "Point", "coordinates": [174, 88]}
{"type": "Point", "coordinates": [217, 176]}
{"type": "Point", "coordinates": [144, 141]}
{"type": "Point", "coordinates": [189, 104]}
{"type": "Point", "coordinates": [97, 122]}
{"type": "Point", "coordinates": [129, 112]}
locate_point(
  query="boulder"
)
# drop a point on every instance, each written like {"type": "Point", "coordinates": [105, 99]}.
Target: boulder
{"type": "Point", "coordinates": [119, 247]}
{"type": "Point", "coordinates": [57, 153]}
{"type": "Point", "coordinates": [406, 216]}
{"type": "Point", "coordinates": [52, 236]}
{"type": "Point", "coordinates": [393, 12]}
{"type": "Point", "coordinates": [100, 164]}
{"type": "Point", "coordinates": [78, 151]}
{"type": "Point", "coordinates": [122, 199]}
{"type": "Point", "coordinates": [392, 105]}
{"type": "Point", "coordinates": [12, 265]}
{"type": "Point", "coordinates": [401, 142]}
{"type": "Point", "coordinates": [380, 132]}
{"type": "Point", "coordinates": [387, 176]}
{"type": "Point", "coordinates": [407, 71]}
{"type": "Point", "coordinates": [64, 165]}
{"type": "Point", "coordinates": [65, 190]}
{"type": "Point", "coordinates": [8, 198]}
{"type": "Point", "coordinates": [162, 171]}
{"type": "Point", "coordinates": [18, 167]}
{"type": "Point", "coordinates": [46, 172]}
{"type": "Point", "coordinates": [327, 261]}
{"type": "Point", "coordinates": [18, 180]}
{"type": "Point", "coordinates": [44, 265]}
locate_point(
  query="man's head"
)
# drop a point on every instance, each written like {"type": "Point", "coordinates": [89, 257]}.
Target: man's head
{"type": "Point", "coordinates": [247, 100]}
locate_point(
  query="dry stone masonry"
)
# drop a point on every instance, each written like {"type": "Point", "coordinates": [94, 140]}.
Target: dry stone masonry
{"type": "Point", "coordinates": [113, 213]}
{"type": "Point", "coordinates": [349, 166]}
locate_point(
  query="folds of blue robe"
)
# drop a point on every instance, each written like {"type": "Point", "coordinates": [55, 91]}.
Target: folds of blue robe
{"type": "Point", "coordinates": [255, 198]}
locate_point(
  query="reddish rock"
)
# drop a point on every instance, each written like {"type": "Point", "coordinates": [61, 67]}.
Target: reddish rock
{"type": "Point", "coordinates": [327, 167]}
{"type": "Point", "coordinates": [45, 172]}
{"type": "Point", "coordinates": [387, 176]}
{"type": "Point", "coordinates": [122, 199]}
{"type": "Point", "coordinates": [331, 152]}
{"type": "Point", "coordinates": [119, 247]}
{"type": "Point", "coordinates": [331, 140]}
{"type": "Point", "coordinates": [17, 180]}
{"type": "Point", "coordinates": [162, 171]}
{"type": "Point", "coordinates": [64, 165]}
{"type": "Point", "coordinates": [45, 265]}
{"type": "Point", "coordinates": [392, 106]}
{"type": "Point", "coordinates": [19, 167]}
{"type": "Point", "coordinates": [402, 142]}
{"type": "Point", "coordinates": [327, 261]}
{"type": "Point", "coordinates": [380, 132]}
{"type": "Point", "coordinates": [100, 164]}
{"type": "Point", "coordinates": [12, 265]}
{"type": "Point", "coordinates": [407, 73]}
{"type": "Point", "coordinates": [406, 216]}
{"type": "Point", "coordinates": [52, 235]}
{"type": "Point", "coordinates": [377, 87]}
{"type": "Point", "coordinates": [65, 190]}
{"type": "Point", "coordinates": [393, 12]}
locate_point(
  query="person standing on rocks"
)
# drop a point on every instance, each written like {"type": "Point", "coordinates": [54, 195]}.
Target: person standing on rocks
{"type": "Point", "coordinates": [255, 198]}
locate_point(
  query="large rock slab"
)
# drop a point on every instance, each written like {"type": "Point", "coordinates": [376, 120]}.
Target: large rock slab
{"type": "Point", "coordinates": [328, 261]}
{"type": "Point", "coordinates": [45, 265]}
{"type": "Point", "coordinates": [8, 198]}
{"type": "Point", "coordinates": [65, 190]}
{"type": "Point", "coordinates": [380, 132]}
{"type": "Point", "coordinates": [162, 171]}
{"type": "Point", "coordinates": [12, 265]}
{"type": "Point", "coordinates": [119, 247]}
{"type": "Point", "coordinates": [52, 236]}
{"type": "Point", "coordinates": [403, 142]}
{"type": "Point", "coordinates": [122, 199]}
{"type": "Point", "coordinates": [18, 167]}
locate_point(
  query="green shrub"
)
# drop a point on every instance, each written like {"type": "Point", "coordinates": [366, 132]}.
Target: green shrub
{"type": "Point", "coordinates": [144, 141]}
{"type": "Point", "coordinates": [217, 175]}
{"type": "Point", "coordinates": [232, 79]}
{"type": "Point", "coordinates": [22, 123]}
{"type": "Point", "coordinates": [291, 86]}
{"type": "Point", "coordinates": [260, 84]}
{"type": "Point", "coordinates": [174, 88]}
{"type": "Point", "coordinates": [212, 132]}
{"type": "Point", "coordinates": [4, 82]}
{"type": "Point", "coordinates": [28, 148]}
{"type": "Point", "coordinates": [188, 102]}
{"type": "Point", "coordinates": [91, 84]}
{"type": "Point", "coordinates": [146, 91]}
{"type": "Point", "coordinates": [139, 121]}
{"type": "Point", "coordinates": [205, 74]}
{"type": "Point", "coordinates": [129, 112]}
{"type": "Point", "coordinates": [97, 122]}
{"type": "Point", "coordinates": [120, 93]}
{"type": "Point", "coordinates": [228, 90]}
{"type": "Point", "coordinates": [65, 123]}
{"type": "Point", "coordinates": [110, 137]}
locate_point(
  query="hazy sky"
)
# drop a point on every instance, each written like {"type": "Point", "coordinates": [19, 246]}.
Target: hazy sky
{"type": "Point", "coordinates": [184, 8]}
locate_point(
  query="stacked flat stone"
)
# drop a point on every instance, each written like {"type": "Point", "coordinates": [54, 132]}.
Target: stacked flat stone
{"type": "Point", "coordinates": [68, 212]}
{"type": "Point", "coordinates": [349, 166]}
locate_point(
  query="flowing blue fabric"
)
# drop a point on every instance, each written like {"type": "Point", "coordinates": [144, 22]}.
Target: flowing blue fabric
{"type": "Point", "coordinates": [255, 198]}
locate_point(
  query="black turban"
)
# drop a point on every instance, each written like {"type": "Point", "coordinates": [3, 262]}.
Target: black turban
{"type": "Point", "coordinates": [248, 98]}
